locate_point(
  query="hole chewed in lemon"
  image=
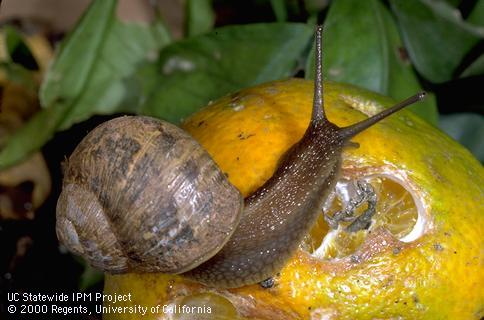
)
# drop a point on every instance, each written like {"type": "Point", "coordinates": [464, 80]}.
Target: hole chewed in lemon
{"type": "Point", "coordinates": [397, 211]}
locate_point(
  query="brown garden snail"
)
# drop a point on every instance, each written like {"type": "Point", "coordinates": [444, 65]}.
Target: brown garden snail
{"type": "Point", "coordinates": [140, 195]}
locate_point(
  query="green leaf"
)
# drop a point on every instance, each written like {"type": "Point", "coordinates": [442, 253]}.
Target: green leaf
{"type": "Point", "coordinates": [192, 72]}
{"type": "Point", "coordinates": [280, 10]}
{"type": "Point", "coordinates": [477, 14]}
{"type": "Point", "coordinates": [315, 6]}
{"type": "Point", "coordinates": [69, 73]}
{"type": "Point", "coordinates": [468, 129]}
{"type": "Point", "coordinates": [366, 50]}
{"type": "Point", "coordinates": [17, 49]}
{"type": "Point", "coordinates": [63, 83]}
{"type": "Point", "coordinates": [476, 68]}
{"type": "Point", "coordinates": [109, 89]}
{"type": "Point", "coordinates": [435, 36]}
{"type": "Point", "coordinates": [101, 87]}
{"type": "Point", "coordinates": [200, 17]}
{"type": "Point", "coordinates": [12, 39]}
{"type": "Point", "coordinates": [32, 135]}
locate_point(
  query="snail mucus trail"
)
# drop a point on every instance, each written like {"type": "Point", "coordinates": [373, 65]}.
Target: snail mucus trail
{"type": "Point", "coordinates": [140, 195]}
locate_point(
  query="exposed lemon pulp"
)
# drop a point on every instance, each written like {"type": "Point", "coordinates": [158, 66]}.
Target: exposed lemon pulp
{"type": "Point", "coordinates": [396, 211]}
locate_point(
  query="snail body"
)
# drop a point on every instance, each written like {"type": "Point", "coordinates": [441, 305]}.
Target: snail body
{"type": "Point", "coordinates": [140, 195]}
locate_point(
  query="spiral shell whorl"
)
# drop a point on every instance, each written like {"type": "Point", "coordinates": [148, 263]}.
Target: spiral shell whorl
{"type": "Point", "coordinates": [153, 200]}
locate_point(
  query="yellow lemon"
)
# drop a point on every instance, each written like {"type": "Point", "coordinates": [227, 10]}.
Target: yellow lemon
{"type": "Point", "coordinates": [421, 257]}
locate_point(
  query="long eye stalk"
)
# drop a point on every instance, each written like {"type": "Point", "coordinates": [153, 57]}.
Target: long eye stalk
{"type": "Point", "coordinates": [318, 104]}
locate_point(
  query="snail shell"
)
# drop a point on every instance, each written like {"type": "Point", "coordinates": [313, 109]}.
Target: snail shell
{"type": "Point", "coordinates": [140, 194]}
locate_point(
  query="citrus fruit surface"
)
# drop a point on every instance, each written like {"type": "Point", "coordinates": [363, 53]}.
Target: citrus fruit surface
{"type": "Point", "coordinates": [421, 257]}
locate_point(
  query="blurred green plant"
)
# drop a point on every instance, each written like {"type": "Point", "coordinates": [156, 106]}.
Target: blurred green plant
{"type": "Point", "coordinates": [106, 66]}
